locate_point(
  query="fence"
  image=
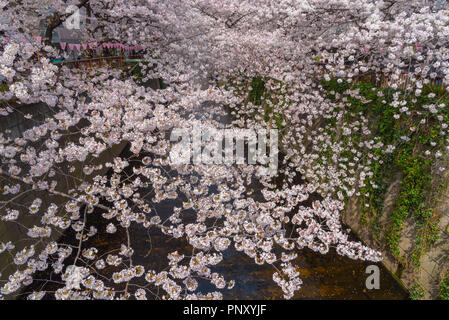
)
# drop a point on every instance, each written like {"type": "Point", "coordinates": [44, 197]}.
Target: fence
{"type": "Point", "coordinates": [116, 61]}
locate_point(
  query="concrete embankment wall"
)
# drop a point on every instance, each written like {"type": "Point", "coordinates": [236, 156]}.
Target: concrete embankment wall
{"type": "Point", "coordinates": [433, 263]}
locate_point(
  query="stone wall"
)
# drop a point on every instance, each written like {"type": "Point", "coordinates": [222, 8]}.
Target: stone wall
{"type": "Point", "coordinates": [433, 264]}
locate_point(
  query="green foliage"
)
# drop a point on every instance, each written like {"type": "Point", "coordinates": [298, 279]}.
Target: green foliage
{"type": "Point", "coordinates": [4, 87]}
{"type": "Point", "coordinates": [415, 183]}
{"type": "Point", "coordinates": [162, 84]}
{"type": "Point", "coordinates": [413, 201]}
{"type": "Point", "coordinates": [257, 91]}
{"type": "Point", "coordinates": [416, 292]}
{"type": "Point", "coordinates": [407, 158]}
{"type": "Point", "coordinates": [444, 288]}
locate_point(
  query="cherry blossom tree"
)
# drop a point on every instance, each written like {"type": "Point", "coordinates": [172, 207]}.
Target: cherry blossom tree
{"type": "Point", "coordinates": [64, 171]}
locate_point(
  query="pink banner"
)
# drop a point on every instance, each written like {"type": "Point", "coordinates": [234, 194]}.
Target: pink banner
{"type": "Point", "coordinates": [417, 47]}
{"type": "Point", "coordinates": [91, 45]}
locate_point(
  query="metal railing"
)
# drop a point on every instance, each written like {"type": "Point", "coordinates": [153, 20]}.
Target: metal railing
{"type": "Point", "coordinates": [117, 61]}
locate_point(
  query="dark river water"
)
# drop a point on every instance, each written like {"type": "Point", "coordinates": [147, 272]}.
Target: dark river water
{"type": "Point", "coordinates": [327, 276]}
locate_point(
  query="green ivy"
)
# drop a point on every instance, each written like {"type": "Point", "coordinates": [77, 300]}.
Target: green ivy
{"type": "Point", "coordinates": [444, 288]}
{"type": "Point", "coordinates": [416, 292]}
{"type": "Point", "coordinates": [407, 158]}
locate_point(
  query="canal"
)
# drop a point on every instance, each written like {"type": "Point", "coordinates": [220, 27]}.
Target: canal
{"type": "Point", "coordinates": [327, 276]}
